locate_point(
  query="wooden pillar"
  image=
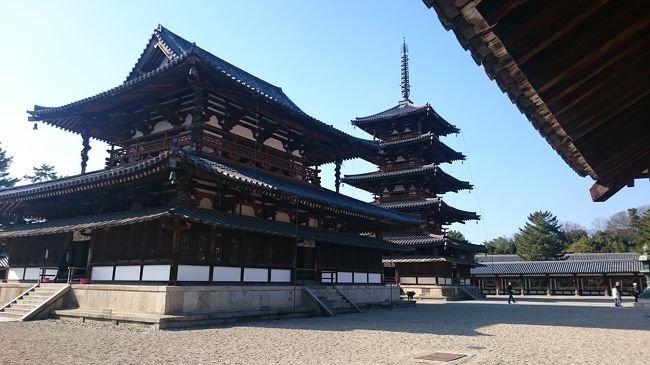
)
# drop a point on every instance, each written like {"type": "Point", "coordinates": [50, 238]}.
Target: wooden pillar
{"type": "Point", "coordinates": [576, 285]}
{"type": "Point", "coordinates": [177, 232]}
{"type": "Point", "coordinates": [549, 289]}
{"type": "Point", "coordinates": [84, 151]}
{"type": "Point", "coordinates": [522, 284]}
{"type": "Point", "coordinates": [337, 174]}
{"type": "Point", "coordinates": [91, 248]}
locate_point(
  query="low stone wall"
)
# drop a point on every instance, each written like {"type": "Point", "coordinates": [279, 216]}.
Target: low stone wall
{"type": "Point", "coordinates": [367, 294]}
{"type": "Point", "coordinates": [9, 291]}
{"type": "Point", "coordinates": [145, 299]}
{"type": "Point", "coordinates": [434, 291]}
{"type": "Point", "coordinates": [205, 299]}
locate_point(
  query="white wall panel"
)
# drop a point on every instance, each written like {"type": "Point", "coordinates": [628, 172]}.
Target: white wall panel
{"type": "Point", "coordinates": [226, 273]}
{"type": "Point", "coordinates": [407, 279]}
{"type": "Point", "coordinates": [16, 273]}
{"type": "Point", "coordinates": [426, 280]}
{"type": "Point", "coordinates": [156, 272]}
{"type": "Point", "coordinates": [193, 273]}
{"type": "Point", "coordinates": [374, 278]}
{"type": "Point", "coordinates": [280, 276]}
{"type": "Point", "coordinates": [102, 273]}
{"type": "Point", "coordinates": [360, 277]}
{"type": "Point", "coordinates": [32, 273]}
{"type": "Point", "coordinates": [256, 275]}
{"type": "Point", "coordinates": [344, 277]}
{"type": "Point", "coordinates": [127, 273]}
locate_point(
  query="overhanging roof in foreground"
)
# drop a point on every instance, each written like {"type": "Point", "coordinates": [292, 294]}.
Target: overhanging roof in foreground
{"type": "Point", "coordinates": [576, 69]}
{"type": "Point", "coordinates": [390, 261]}
{"type": "Point", "coordinates": [219, 219]}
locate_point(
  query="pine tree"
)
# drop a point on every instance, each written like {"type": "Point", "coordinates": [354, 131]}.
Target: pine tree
{"type": "Point", "coordinates": [455, 235]}
{"type": "Point", "coordinates": [44, 172]}
{"type": "Point", "coordinates": [541, 238]}
{"type": "Point", "coordinates": [5, 163]}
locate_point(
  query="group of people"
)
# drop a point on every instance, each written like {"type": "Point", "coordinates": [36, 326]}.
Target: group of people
{"type": "Point", "coordinates": [617, 292]}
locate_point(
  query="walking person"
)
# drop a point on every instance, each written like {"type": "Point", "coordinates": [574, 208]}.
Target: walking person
{"type": "Point", "coordinates": [616, 294]}
{"type": "Point", "coordinates": [510, 297]}
{"type": "Point", "coordinates": [636, 291]}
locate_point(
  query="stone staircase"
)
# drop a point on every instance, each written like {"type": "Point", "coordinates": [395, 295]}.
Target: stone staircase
{"type": "Point", "coordinates": [331, 300]}
{"type": "Point", "coordinates": [32, 302]}
{"type": "Point", "coordinates": [472, 292]}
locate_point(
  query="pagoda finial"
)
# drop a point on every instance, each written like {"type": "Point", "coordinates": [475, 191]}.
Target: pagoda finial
{"type": "Point", "coordinates": [406, 86]}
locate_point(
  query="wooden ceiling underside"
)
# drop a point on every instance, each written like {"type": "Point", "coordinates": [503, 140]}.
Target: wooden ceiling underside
{"type": "Point", "coordinates": [577, 69]}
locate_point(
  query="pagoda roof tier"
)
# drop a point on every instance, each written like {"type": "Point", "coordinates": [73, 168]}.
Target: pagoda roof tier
{"type": "Point", "coordinates": [308, 194]}
{"type": "Point", "coordinates": [429, 175]}
{"type": "Point", "coordinates": [92, 115]}
{"type": "Point", "coordinates": [437, 150]}
{"type": "Point", "coordinates": [406, 109]}
{"type": "Point", "coordinates": [390, 261]}
{"type": "Point", "coordinates": [424, 239]}
{"type": "Point", "coordinates": [210, 217]}
{"type": "Point", "coordinates": [443, 213]}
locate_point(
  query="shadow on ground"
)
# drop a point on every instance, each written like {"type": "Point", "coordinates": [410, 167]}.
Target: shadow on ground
{"type": "Point", "coordinates": [467, 318]}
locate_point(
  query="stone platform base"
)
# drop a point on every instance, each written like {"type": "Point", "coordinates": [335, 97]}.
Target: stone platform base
{"type": "Point", "coordinates": [440, 292]}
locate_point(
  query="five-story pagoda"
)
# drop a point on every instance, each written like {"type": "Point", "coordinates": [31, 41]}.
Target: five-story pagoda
{"type": "Point", "coordinates": [410, 180]}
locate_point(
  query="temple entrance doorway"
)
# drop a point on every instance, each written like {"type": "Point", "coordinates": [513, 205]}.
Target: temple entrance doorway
{"type": "Point", "coordinates": [305, 262]}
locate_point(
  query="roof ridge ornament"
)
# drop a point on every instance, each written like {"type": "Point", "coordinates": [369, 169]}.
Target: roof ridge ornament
{"type": "Point", "coordinates": [405, 84]}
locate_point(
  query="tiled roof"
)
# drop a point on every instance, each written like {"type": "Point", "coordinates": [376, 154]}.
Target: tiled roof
{"type": "Point", "coordinates": [391, 260]}
{"type": "Point", "coordinates": [219, 219]}
{"type": "Point", "coordinates": [4, 262]}
{"type": "Point", "coordinates": [412, 203]}
{"type": "Point", "coordinates": [567, 257]}
{"type": "Point", "coordinates": [435, 147]}
{"type": "Point", "coordinates": [558, 267]}
{"type": "Point", "coordinates": [181, 50]}
{"type": "Point", "coordinates": [407, 108]}
{"type": "Point", "coordinates": [426, 239]}
{"type": "Point", "coordinates": [432, 169]}
{"type": "Point", "coordinates": [90, 180]}
{"type": "Point", "coordinates": [330, 200]}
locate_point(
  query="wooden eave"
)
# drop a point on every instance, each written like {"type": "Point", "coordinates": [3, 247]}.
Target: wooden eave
{"type": "Point", "coordinates": [577, 70]}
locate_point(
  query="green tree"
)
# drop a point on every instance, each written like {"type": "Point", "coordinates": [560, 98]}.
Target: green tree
{"type": "Point", "coordinates": [455, 235]}
{"type": "Point", "coordinates": [5, 163]}
{"type": "Point", "coordinates": [500, 246]}
{"type": "Point", "coordinates": [643, 237]}
{"type": "Point", "coordinates": [541, 238]}
{"type": "Point", "coordinates": [582, 245]}
{"type": "Point", "coordinates": [44, 172]}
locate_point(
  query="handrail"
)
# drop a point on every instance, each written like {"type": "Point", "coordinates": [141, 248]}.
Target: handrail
{"type": "Point", "coordinates": [71, 271]}
{"type": "Point", "coordinates": [42, 273]}
{"type": "Point", "coordinates": [318, 301]}
{"type": "Point", "coordinates": [346, 298]}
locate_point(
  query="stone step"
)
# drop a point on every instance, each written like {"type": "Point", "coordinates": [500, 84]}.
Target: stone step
{"type": "Point", "coordinates": [22, 312]}
{"type": "Point", "coordinates": [21, 305]}
{"type": "Point", "coordinates": [30, 301]}
{"type": "Point", "coordinates": [10, 315]}
{"type": "Point", "coordinates": [38, 296]}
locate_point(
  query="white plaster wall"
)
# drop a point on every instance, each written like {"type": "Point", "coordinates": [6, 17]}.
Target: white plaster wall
{"type": "Point", "coordinates": [360, 277]}
{"type": "Point", "coordinates": [426, 280]}
{"type": "Point", "coordinates": [16, 273]}
{"type": "Point", "coordinates": [256, 275]}
{"type": "Point", "coordinates": [161, 126]}
{"type": "Point", "coordinates": [32, 273]}
{"type": "Point", "coordinates": [101, 273]}
{"type": "Point", "coordinates": [407, 280]}
{"type": "Point", "coordinates": [374, 278]}
{"type": "Point", "coordinates": [127, 273]}
{"type": "Point", "coordinates": [156, 272]}
{"type": "Point", "coordinates": [344, 277]}
{"type": "Point", "coordinates": [193, 273]}
{"type": "Point", "coordinates": [226, 273]}
{"type": "Point", "coordinates": [280, 275]}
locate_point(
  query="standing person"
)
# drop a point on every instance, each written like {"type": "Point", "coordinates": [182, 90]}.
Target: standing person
{"type": "Point", "coordinates": [510, 297]}
{"type": "Point", "coordinates": [636, 291]}
{"type": "Point", "coordinates": [616, 293]}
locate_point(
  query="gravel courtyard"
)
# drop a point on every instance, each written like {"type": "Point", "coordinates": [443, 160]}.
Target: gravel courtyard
{"type": "Point", "coordinates": [533, 331]}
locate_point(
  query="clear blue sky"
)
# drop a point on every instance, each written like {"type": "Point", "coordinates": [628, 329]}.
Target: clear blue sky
{"type": "Point", "coordinates": [336, 59]}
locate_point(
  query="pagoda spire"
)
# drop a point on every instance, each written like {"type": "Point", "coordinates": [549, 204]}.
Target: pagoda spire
{"type": "Point", "coordinates": [406, 86]}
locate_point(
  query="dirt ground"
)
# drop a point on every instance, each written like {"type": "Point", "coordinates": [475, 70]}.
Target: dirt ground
{"type": "Point", "coordinates": [533, 331]}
